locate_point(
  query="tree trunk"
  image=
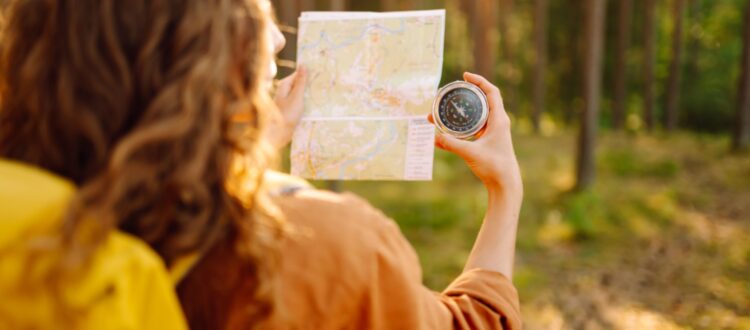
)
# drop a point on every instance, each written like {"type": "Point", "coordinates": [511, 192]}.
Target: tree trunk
{"type": "Point", "coordinates": [505, 12]}
{"type": "Point", "coordinates": [305, 5]}
{"type": "Point", "coordinates": [338, 5]}
{"type": "Point", "coordinates": [389, 5]}
{"type": "Point", "coordinates": [467, 6]}
{"type": "Point", "coordinates": [509, 71]}
{"type": "Point", "coordinates": [396, 5]}
{"type": "Point", "coordinates": [649, 57]}
{"type": "Point", "coordinates": [540, 65]}
{"type": "Point", "coordinates": [483, 17]}
{"type": "Point", "coordinates": [592, 76]}
{"type": "Point", "coordinates": [624, 24]}
{"type": "Point", "coordinates": [693, 43]}
{"type": "Point", "coordinates": [742, 132]}
{"type": "Point", "coordinates": [572, 88]}
{"type": "Point", "coordinates": [675, 67]}
{"type": "Point", "coordinates": [288, 12]}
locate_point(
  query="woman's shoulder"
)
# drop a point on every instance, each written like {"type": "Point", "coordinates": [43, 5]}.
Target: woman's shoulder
{"type": "Point", "coordinates": [304, 206]}
{"type": "Point", "coordinates": [337, 246]}
{"type": "Point", "coordinates": [336, 218]}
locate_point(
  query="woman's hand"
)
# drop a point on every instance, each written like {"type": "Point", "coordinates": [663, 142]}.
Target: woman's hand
{"type": "Point", "coordinates": [288, 98]}
{"type": "Point", "coordinates": [491, 156]}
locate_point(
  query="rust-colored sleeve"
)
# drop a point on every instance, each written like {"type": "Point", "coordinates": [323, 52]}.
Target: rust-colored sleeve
{"type": "Point", "coordinates": [485, 295]}
{"type": "Point", "coordinates": [397, 299]}
{"type": "Point", "coordinates": [348, 266]}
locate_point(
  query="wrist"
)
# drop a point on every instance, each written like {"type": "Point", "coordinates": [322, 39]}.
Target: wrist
{"type": "Point", "coordinates": [505, 183]}
{"type": "Point", "coordinates": [505, 198]}
{"type": "Point", "coordinates": [505, 194]}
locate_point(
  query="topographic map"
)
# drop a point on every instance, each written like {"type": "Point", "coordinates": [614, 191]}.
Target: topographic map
{"type": "Point", "coordinates": [372, 78]}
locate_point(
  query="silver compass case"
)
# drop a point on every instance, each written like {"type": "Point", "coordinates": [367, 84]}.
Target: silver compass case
{"type": "Point", "coordinates": [443, 124]}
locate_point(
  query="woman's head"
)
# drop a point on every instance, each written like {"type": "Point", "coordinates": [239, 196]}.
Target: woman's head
{"type": "Point", "coordinates": [138, 103]}
{"type": "Point", "coordinates": [81, 76]}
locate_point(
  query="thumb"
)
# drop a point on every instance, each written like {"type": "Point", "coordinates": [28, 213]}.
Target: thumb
{"type": "Point", "coordinates": [285, 85]}
{"type": "Point", "coordinates": [457, 146]}
{"type": "Point", "coordinates": [300, 80]}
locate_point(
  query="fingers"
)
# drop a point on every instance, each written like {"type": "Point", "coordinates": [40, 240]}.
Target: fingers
{"type": "Point", "coordinates": [300, 79]}
{"type": "Point", "coordinates": [486, 86]}
{"type": "Point", "coordinates": [288, 85]}
{"type": "Point", "coordinates": [446, 142]}
{"type": "Point", "coordinates": [492, 92]}
{"type": "Point", "coordinates": [285, 85]}
{"type": "Point", "coordinates": [494, 98]}
{"type": "Point", "coordinates": [457, 146]}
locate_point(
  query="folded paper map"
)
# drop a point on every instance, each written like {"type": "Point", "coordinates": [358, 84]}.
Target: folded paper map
{"type": "Point", "coordinates": [372, 78]}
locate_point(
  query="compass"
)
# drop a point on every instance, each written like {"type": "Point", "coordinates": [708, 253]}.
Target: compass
{"type": "Point", "coordinates": [460, 110]}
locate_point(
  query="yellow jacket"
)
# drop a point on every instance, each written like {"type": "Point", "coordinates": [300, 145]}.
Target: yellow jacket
{"type": "Point", "coordinates": [125, 287]}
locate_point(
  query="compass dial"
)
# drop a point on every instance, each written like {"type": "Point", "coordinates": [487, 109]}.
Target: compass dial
{"type": "Point", "coordinates": [460, 109]}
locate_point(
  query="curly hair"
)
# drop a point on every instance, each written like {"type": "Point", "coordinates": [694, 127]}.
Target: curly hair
{"type": "Point", "coordinates": [137, 103]}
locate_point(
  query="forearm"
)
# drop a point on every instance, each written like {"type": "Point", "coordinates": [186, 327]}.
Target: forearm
{"type": "Point", "coordinates": [492, 159]}
{"type": "Point", "coordinates": [494, 248]}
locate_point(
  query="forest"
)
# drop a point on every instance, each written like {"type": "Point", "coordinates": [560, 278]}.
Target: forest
{"type": "Point", "coordinates": [631, 121]}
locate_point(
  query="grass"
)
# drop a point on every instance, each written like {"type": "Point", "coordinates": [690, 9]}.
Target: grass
{"type": "Point", "coordinates": [662, 240]}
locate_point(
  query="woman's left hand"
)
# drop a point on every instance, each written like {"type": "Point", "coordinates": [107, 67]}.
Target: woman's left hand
{"type": "Point", "coordinates": [288, 98]}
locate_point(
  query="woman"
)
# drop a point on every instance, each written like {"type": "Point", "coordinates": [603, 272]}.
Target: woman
{"type": "Point", "coordinates": [159, 112]}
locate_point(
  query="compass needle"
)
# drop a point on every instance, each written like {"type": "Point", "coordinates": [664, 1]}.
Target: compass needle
{"type": "Point", "coordinates": [462, 112]}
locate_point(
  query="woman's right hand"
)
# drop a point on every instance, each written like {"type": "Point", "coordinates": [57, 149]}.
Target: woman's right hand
{"type": "Point", "coordinates": [491, 156]}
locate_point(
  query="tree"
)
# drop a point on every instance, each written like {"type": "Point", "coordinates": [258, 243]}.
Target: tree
{"type": "Point", "coordinates": [540, 62]}
{"type": "Point", "coordinates": [566, 49]}
{"type": "Point", "coordinates": [288, 11]}
{"type": "Point", "coordinates": [624, 23]}
{"type": "Point", "coordinates": [482, 16]}
{"type": "Point", "coordinates": [305, 5]}
{"type": "Point", "coordinates": [675, 67]}
{"type": "Point", "coordinates": [395, 5]}
{"type": "Point", "coordinates": [388, 5]}
{"type": "Point", "coordinates": [592, 76]}
{"type": "Point", "coordinates": [741, 138]}
{"type": "Point", "coordinates": [649, 57]}
{"type": "Point", "coordinates": [338, 5]}
{"type": "Point", "coordinates": [696, 11]}
{"type": "Point", "coordinates": [509, 69]}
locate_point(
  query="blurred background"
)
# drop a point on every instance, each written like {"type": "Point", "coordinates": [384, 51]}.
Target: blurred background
{"type": "Point", "coordinates": [631, 124]}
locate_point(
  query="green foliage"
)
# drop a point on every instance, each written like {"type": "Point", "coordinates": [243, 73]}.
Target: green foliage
{"type": "Point", "coordinates": [581, 208]}
{"type": "Point", "coordinates": [710, 65]}
{"type": "Point", "coordinates": [626, 163]}
{"type": "Point", "coordinates": [712, 68]}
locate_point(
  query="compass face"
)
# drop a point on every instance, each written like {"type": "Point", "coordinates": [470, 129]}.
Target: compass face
{"type": "Point", "coordinates": [460, 110]}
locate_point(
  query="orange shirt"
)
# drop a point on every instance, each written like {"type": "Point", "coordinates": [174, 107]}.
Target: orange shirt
{"type": "Point", "coordinates": [345, 265]}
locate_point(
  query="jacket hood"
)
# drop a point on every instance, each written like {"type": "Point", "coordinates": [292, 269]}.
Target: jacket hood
{"type": "Point", "coordinates": [31, 200]}
{"type": "Point", "coordinates": [123, 286]}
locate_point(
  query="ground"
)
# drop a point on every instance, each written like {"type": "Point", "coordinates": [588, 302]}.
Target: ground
{"type": "Point", "coordinates": [662, 241]}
